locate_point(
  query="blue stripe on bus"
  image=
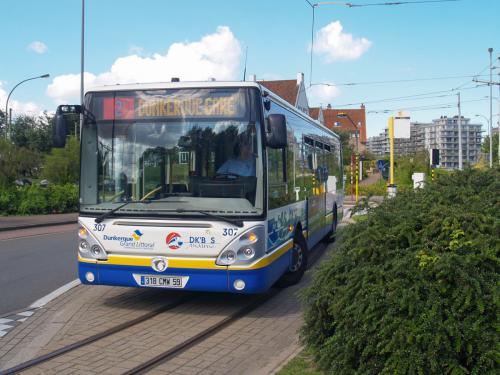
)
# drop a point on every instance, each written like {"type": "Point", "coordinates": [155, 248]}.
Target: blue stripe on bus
{"type": "Point", "coordinates": [256, 281]}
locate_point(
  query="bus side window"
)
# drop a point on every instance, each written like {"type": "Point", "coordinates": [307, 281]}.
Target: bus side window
{"type": "Point", "coordinates": [276, 175]}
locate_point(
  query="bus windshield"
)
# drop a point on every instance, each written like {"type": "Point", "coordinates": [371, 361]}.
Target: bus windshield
{"type": "Point", "coordinates": [183, 149]}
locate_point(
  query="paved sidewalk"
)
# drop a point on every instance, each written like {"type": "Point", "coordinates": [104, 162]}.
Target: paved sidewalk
{"type": "Point", "coordinates": [259, 343]}
{"type": "Point", "coordinates": [21, 222]}
{"type": "Point", "coordinates": [371, 179]}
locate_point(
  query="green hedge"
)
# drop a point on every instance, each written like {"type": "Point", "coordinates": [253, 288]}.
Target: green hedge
{"type": "Point", "coordinates": [31, 200]}
{"type": "Point", "coordinates": [414, 288]}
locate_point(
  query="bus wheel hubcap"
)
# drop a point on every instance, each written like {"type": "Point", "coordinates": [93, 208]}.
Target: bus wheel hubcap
{"type": "Point", "coordinates": [298, 257]}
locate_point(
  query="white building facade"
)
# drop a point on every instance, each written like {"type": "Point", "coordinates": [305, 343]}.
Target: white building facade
{"type": "Point", "coordinates": [441, 134]}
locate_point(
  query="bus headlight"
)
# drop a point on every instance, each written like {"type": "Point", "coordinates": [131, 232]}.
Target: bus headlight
{"type": "Point", "coordinates": [84, 246]}
{"type": "Point", "coordinates": [89, 247]}
{"type": "Point", "coordinates": [244, 249]}
{"type": "Point", "coordinates": [246, 252]}
{"type": "Point", "coordinates": [226, 258]}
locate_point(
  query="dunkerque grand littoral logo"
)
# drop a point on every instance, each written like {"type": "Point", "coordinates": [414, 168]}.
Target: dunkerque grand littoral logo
{"type": "Point", "coordinates": [174, 240]}
{"type": "Point", "coordinates": [137, 235]}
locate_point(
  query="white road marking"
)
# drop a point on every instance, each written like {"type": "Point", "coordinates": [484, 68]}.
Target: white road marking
{"type": "Point", "coordinates": [25, 313]}
{"type": "Point", "coordinates": [56, 293]}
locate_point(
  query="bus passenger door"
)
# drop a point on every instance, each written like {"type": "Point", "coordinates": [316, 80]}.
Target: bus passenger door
{"type": "Point", "coordinates": [315, 200]}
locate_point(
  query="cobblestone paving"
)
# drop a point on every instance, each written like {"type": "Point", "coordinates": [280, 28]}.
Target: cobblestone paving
{"type": "Point", "coordinates": [255, 344]}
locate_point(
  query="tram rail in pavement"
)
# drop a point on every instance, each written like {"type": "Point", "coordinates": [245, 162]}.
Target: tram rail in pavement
{"type": "Point", "coordinates": [249, 305]}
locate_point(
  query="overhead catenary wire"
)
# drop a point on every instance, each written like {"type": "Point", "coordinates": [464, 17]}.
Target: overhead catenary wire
{"type": "Point", "coordinates": [402, 3]}
{"type": "Point", "coordinates": [396, 81]}
{"type": "Point", "coordinates": [428, 107]}
{"type": "Point", "coordinates": [398, 98]}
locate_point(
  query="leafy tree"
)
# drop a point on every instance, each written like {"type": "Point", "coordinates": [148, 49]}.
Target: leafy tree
{"type": "Point", "coordinates": [62, 165]}
{"type": "Point", "coordinates": [485, 147]}
{"type": "Point", "coordinates": [3, 122]}
{"type": "Point", "coordinates": [17, 162]}
{"type": "Point", "coordinates": [347, 149]}
{"type": "Point", "coordinates": [33, 132]}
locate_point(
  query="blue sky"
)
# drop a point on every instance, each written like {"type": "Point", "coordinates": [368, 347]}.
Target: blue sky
{"type": "Point", "coordinates": [400, 42]}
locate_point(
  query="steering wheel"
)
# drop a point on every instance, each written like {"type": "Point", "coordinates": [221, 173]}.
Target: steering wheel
{"type": "Point", "coordinates": [227, 176]}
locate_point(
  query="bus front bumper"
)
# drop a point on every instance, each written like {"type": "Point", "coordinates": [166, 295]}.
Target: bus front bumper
{"type": "Point", "coordinates": [221, 279]}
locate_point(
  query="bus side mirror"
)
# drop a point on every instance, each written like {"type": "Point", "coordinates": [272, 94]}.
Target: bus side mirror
{"type": "Point", "coordinates": [61, 130]}
{"type": "Point", "coordinates": [276, 131]}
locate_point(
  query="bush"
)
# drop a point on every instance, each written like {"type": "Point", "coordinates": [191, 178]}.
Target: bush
{"type": "Point", "coordinates": [16, 162]}
{"type": "Point", "coordinates": [32, 200]}
{"type": "Point", "coordinates": [414, 288]}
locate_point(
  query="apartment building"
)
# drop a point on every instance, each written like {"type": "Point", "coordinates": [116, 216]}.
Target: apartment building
{"type": "Point", "coordinates": [441, 134]}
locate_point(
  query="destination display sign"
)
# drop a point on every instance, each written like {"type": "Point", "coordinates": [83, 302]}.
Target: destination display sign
{"type": "Point", "coordinates": [187, 103]}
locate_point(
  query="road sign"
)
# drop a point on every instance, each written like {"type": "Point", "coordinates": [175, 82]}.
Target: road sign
{"type": "Point", "coordinates": [402, 125]}
{"type": "Point", "coordinates": [383, 167]}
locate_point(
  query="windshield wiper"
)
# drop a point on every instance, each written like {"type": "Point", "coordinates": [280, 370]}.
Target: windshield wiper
{"type": "Point", "coordinates": [105, 215]}
{"type": "Point", "coordinates": [236, 223]}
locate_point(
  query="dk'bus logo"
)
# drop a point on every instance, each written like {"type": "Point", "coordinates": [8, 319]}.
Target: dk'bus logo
{"type": "Point", "coordinates": [174, 240]}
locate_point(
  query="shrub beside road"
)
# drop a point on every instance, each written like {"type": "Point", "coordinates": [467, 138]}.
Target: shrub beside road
{"type": "Point", "coordinates": [35, 199]}
{"type": "Point", "coordinates": [414, 288]}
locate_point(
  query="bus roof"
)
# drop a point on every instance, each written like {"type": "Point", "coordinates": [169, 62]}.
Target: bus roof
{"type": "Point", "coordinates": [209, 84]}
{"type": "Point", "coordinates": [173, 85]}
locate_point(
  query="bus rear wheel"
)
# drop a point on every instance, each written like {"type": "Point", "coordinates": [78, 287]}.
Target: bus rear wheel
{"type": "Point", "coordinates": [298, 264]}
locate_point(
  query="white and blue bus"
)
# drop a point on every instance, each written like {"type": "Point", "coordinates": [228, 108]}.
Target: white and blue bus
{"type": "Point", "coordinates": [208, 186]}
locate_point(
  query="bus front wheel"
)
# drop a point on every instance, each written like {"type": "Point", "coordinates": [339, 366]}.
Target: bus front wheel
{"type": "Point", "coordinates": [298, 264]}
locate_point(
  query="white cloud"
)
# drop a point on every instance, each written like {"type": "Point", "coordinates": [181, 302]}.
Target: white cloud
{"type": "Point", "coordinates": [38, 47]}
{"type": "Point", "coordinates": [215, 55]}
{"type": "Point", "coordinates": [333, 43]}
{"type": "Point", "coordinates": [28, 108]}
{"type": "Point", "coordinates": [323, 94]}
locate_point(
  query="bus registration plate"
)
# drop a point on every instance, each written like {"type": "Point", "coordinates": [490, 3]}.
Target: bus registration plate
{"type": "Point", "coordinates": [176, 282]}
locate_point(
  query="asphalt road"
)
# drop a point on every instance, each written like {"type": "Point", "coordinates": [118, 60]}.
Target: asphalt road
{"type": "Point", "coordinates": [35, 262]}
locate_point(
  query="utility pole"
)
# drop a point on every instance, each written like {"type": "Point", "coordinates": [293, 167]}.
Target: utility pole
{"type": "Point", "coordinates": [391, 188]}
{"type": "Point", "coordinates": [460, 161]}
{"type": "Point", "coordinates": [498, 128]}
{"type": "Point", "coordinates": [491, 84]}
{"type": "Point", "coordinates": [490, 50]}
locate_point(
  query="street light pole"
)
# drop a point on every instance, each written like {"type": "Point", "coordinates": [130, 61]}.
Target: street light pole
{"type": "Point", "coordinates": [82, 65]}
{"type": "Point", "coordinates": [7, 122]}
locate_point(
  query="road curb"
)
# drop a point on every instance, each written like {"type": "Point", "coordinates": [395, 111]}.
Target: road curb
{"type": "Point", "coordinates": [38, 225]}
{"type": "Point", "coordinates": [54, 294]}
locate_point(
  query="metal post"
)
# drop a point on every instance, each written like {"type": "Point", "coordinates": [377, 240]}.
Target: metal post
{"type": "Point", "coordinates": [490, 50]}
{"type": "Point", "coordinates": [312, 47]}
{"type": "Point", "coordinates": [460, 161]}
{"type": "Point", "coordinates": [82, 51]}
{"type": "Point", "coordinates": [391, 150]}
{"type": "Point", "coordinates": [7, 122]}
{"type": "Point", "coordinates": [357, 177]}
